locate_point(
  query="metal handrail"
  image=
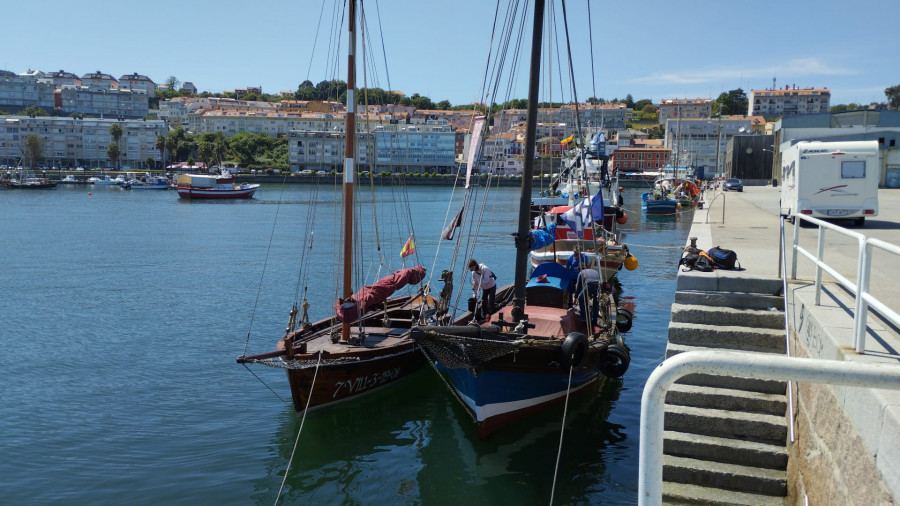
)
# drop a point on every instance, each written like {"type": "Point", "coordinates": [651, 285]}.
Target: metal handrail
{"type": "Point", "coordinates": [860, 289]}
{"type": "Point", "coordinates": [782, 273]}
{"type": "Point", "coordinates": [746, 365]}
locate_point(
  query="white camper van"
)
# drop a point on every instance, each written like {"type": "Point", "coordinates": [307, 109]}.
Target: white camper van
{"type": "Point", "coordinates": [831, 180]}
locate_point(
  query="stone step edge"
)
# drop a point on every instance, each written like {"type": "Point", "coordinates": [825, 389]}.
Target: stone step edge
{"type": "Point", "coordinates": [760, 427]}
{"type": "Point", "coordinates": [775, 456]}
{"type": "Point", "coordinates": [777, 401]}
{"type": "Point", "coordinates": [687, 493]}
{"type": "Point", "coordinates": [766, 479]}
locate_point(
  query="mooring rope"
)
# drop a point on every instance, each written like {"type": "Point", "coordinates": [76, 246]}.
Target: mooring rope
{"type": "Point", "coordinates": [562, 431]}
{"type": "Point", "coordinates": [302, 420]}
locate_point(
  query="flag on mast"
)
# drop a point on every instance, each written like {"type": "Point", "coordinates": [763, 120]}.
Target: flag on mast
{"type": "Point", "coordinates": [474, 144]}
{"type": "Point", "coordinates": [450, 231]}
{"type": "Point", "coordinates": [409, 248]}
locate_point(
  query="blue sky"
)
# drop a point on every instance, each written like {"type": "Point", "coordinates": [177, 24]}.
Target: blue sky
{"type": "Point", "coordinates": [652, 49]}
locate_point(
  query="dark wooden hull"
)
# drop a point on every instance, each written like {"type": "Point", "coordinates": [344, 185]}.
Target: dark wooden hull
{"type": "Point", "coordinates": [313, 387]}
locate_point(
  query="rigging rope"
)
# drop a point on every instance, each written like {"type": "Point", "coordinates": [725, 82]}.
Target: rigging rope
{"type": "Point", "coordinates": [300, 430]}
{"type": "Point", "coordinates": [562, 431]}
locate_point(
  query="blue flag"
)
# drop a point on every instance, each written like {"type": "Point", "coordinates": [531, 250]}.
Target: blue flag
{"type": "Point", "coordinates": [584, 213]}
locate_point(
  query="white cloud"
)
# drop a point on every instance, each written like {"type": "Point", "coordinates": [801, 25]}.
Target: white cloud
{"type": "Point", "coordinates": [790, 69]}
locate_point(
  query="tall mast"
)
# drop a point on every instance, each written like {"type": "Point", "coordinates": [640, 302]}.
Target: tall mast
{"type": "Point", "coordinates": [349, 165]}
{"type": "Point", "coordinates": [522, 236]}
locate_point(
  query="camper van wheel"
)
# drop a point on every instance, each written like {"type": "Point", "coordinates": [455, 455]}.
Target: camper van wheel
{"type": "Point", "coordinates": [859, 222]}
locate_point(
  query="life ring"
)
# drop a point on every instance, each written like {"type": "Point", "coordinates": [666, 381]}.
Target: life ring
{"type": "Point", "coordinates": [624, 319]}
{"type": "Point", "coordinates": [573, 351]}
{"type": "Point", "coordinates": [614, 361]}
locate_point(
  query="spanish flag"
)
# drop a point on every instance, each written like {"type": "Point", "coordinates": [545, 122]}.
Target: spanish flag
{"type": "Point", "coordinates": [409, 248]}
{"type": "Point", "coordinates": [567, 140]}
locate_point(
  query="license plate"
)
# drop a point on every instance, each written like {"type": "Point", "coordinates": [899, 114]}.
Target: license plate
{"type": "Point", "coordinates": [837, 212]}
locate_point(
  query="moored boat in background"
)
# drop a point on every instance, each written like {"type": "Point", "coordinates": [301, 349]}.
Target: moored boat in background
{"type": "Point", "coordinates": [203, 186]}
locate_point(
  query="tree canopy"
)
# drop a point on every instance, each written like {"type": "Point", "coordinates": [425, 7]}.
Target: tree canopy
{"type": "Point", "coordinates": [892, 94]}
{"type": "Point", "coordinates": [732, 102]}
{"type": "Point", "coordinates": [33, 150]}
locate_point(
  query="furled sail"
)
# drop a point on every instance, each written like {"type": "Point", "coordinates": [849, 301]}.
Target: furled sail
{"type": "Point", "coordinates": [369, 297]}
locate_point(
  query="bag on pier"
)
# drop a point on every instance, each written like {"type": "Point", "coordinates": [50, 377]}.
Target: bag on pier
{"type": "Point", "coordinates": [696, 260]}
{"type": "Point", "coordinates": [723, 258]}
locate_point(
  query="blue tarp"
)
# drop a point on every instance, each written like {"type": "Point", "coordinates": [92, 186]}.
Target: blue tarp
{"type": "Point", "coordinates": [543, 237]}
{"type": "Point", "coordinates": [557, 276]}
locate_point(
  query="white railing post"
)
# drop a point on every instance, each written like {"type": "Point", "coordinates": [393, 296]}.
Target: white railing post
{"type": "Point", "coordinates": [860, 316]}
{"type": "Point", "coordinates": [794, 247]}
{"type": "Point", "coordinates": [820, 257]}
{"type": "Point", "coordinates": [745, 365]}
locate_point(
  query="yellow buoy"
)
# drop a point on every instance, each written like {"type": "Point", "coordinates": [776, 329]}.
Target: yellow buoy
{"type": "Point", "coordinates": [631, 263]}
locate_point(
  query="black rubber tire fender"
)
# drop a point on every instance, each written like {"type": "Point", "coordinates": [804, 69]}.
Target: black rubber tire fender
{"type": "Point", "coordinates": [573, 351]}
{"type": "Point", "coordinates": [624, 319]}
{"type": "Point", "coordinates": [614, 361]}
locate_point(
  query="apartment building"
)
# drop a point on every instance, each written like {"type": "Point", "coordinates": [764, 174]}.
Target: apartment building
{"type": "Point", "coordinates": [66, 93]}
{"type": "Point", "coordinates": [112, 102]}
{"type": "Point", "coordinates": [393, 147]}
{"type": "Point", "coordinates": [639, 159]}
{"type": "Point", "coordinates": [71, 142]}
{"type": "Point", "coordinates": [789, 101]}
{"type": "Point", "coordinates": [701, 142]}
{"type": "Point", "coordinates": [691, 108]}
{"type": "Point", "coordinates": [139, 82]}
{"type": "Point", "coordinates": [99, 80]}
{"type": "Point", "coordinates": [590, 116]}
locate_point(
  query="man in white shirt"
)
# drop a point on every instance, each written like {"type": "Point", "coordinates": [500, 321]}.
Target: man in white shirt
{"type": "Point", "coordinates": [483, 278]}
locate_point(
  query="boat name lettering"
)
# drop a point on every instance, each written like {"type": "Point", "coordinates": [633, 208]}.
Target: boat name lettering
{"type": "Point", "coordinates": [360, 383]}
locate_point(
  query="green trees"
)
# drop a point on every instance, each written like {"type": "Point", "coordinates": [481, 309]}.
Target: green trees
{"type": "Point", "coordinates": [893, 97]}
{"type": "Point", "coordinates": [259, 150]}
{"type": "Point", "coordinates": [33, 151]}
{"type": "Point", "coordinates": [732, 102]}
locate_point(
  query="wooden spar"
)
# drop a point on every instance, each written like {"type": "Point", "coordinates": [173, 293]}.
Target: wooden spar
{"type": "Point", "coordinates": [522, 236]}
{"type": "Point", "coordinates": [349, 165]}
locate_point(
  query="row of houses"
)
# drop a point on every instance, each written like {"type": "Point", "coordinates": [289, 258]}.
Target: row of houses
{"type": "Point", "coordinates": [73, 142]}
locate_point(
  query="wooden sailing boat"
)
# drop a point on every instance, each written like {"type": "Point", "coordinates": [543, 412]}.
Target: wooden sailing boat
{"type": "Point", "coordinates": [536, 351]}
{"type": "Point", "coordinates": [366, 345]}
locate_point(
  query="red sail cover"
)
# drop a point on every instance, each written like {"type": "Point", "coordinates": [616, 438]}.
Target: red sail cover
{"type": "Point", "coordinates": [371, 296]}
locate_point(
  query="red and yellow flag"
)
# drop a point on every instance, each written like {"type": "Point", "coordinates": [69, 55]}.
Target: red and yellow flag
{"type": "Point", "coordinates": [567, 140]}
{"type": "Point", "coordinates": [409, 248]}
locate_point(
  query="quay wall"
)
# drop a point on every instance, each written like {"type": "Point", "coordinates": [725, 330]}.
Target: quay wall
{"type": "Point", "coordinates": [846, 447]}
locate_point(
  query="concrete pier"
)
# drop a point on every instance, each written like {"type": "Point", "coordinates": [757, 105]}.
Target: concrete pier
{"type": "Point", "coordinates": [846, 443]}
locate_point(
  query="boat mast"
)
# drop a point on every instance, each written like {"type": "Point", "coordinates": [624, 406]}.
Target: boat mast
{"type": "Point", "coordinates": [522, 236]}
{"type": "Point", "coordinates": [349, 165]}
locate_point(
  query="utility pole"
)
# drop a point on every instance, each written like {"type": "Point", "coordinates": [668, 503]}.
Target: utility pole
{"type": "Point", "coordinates": [718, 144]}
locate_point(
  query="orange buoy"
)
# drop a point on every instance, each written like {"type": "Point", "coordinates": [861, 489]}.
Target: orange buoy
{"type": "Point", "coordinates": [621, 220]}
{"type": "Point", "coordinates": [631, 263]}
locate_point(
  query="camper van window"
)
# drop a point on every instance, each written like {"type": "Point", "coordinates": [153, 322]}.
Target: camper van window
{"type": "Point", "coordinates": [853, 169]}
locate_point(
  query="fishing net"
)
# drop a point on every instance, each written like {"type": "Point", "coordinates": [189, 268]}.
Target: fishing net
{"type": "Point", "coordinates": [461, 352]}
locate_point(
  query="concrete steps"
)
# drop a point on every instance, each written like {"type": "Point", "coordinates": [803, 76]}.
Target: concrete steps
{"type": "Point", "coordinates": [685, 494]}
{"type": "Point", "coordinates": [725, 436]}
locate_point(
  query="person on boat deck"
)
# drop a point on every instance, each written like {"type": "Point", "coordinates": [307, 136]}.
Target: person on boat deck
{"type": "Point", "coordinates": [576, 260]}
{"type": "Point", "coordinates": [587, 285]}
{"type": "Point", "coordinates": [483, 278]}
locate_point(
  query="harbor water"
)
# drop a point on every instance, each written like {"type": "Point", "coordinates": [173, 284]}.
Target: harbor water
{"type": "Point", "coordinates": [123, 313]}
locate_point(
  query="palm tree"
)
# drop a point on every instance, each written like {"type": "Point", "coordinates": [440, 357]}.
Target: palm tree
{"type": "Point", "coordinates": [161, 146]}
{"type": "Point", "coordinates": [172, 146]}
{"type": "Point", "coordinates": [112, 151]}
{"type": "Point", "coordinates": [115, 130]}
{"type": "Point", "coordinates": [220, 148]}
